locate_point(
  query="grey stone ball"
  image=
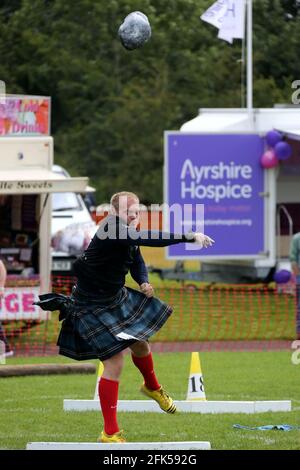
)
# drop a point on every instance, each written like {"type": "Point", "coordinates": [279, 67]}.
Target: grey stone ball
{"type": "Point", "coordinates": [134, 31]}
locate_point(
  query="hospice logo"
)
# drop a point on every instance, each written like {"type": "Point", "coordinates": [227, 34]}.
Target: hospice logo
{"type": "Point", "coordinates": [216, 182]}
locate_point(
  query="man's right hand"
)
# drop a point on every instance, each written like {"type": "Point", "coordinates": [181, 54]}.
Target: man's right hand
{"type": "Point", "coordinates": [203, 240]}
{"type": "Point", "coordinates": [147, 289]}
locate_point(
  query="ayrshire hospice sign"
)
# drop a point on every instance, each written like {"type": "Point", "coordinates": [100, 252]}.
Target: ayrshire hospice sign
{"type": "Point", "coordinates": [222, 172]}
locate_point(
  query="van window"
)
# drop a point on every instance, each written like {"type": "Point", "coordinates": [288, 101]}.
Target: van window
{"type": "Point", "coordinates": [65, 201]}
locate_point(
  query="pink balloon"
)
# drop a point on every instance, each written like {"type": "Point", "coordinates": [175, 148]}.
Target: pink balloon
{"type": "Point", "coordinates": [269, 159]}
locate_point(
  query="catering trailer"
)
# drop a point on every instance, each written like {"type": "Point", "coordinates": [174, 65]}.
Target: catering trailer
{"type": "Point", "coordinates": [26, 184]}
{"type": "Point", "coordinates": [251, 212]}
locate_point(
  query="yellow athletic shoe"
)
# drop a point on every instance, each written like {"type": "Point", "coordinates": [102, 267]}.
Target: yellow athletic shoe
{"type": "Point", "coordinates": [163, 399]}
{"type": "Point", "coordinates": [113, 438]}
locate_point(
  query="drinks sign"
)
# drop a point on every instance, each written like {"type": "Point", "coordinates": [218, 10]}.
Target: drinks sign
{"type": "Point", "coordinates": [24, 116]}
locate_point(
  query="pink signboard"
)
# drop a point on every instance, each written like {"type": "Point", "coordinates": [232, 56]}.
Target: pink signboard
{"type": "Point", "coordinates": [24, 116]}
{"type": "Point", "coordinates": [16, 304]}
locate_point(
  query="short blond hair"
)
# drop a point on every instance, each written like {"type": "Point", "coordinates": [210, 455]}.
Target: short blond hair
{"type": "Point", "coordinates": [114, 200]}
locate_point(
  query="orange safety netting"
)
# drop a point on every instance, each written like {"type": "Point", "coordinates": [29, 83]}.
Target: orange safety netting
{"type": "Point", "coordinates": [219, 317]}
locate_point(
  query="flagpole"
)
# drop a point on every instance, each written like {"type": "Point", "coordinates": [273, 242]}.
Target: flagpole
{"type": "Point", "coordinates": [249, 59]}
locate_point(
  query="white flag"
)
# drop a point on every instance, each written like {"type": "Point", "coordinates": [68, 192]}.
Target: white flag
{"type": "Point", "coordinates": [229, 17]}
{"type": "Point", "coordinates": [215, 13]}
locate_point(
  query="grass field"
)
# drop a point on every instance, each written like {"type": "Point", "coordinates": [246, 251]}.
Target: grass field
{"type": "Point", "coordinates": [31, 407]}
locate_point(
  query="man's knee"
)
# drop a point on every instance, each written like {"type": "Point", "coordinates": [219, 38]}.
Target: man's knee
{"type": "Point", "coordinates": [140, 348]}
{"type": "Point", "coordinates": [113, 366]}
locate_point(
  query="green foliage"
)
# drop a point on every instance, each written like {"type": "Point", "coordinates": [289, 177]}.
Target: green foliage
{"type": "Point", "coordinates": [111, 106]}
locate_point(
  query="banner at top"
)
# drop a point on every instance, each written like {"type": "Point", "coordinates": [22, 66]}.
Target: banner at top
{"type": "Point", "coordinates": [24, 116]}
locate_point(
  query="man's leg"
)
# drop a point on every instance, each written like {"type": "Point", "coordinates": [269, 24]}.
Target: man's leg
{"type": "Point", "coordinates": [142, 359]}
{"type": "Point", "coordinates": [108, 393]}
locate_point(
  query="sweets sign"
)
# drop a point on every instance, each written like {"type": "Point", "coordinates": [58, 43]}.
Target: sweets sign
{"type": "Point", "coordinates": [21, 115]}
{"type": "Point", "coordinates": [30, 187]}
{"type": "Point", "coordinates": [16, 304]}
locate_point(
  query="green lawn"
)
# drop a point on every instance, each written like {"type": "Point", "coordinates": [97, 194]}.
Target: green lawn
{"type": "Point", "coordinates": [31, 407]}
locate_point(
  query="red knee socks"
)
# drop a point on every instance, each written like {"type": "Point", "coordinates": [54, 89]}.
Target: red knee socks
{"type": "Point", "coordinates": [145, 365]}
{"type": "Point", "coordinates": [108, 394]}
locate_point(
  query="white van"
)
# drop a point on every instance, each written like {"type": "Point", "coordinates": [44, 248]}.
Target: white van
{"type": "Point", "coordinates": [72, 227]}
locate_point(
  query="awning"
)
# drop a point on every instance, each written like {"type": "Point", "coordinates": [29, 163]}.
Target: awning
{"type": "Point", "coordinates": [40, 182]}
{"type": "Point", "coordinates": [215, 122]}
{"type": "Point", "coordinates": [290, 133]}
{"type": "Point", "coordinates": [89, 189]}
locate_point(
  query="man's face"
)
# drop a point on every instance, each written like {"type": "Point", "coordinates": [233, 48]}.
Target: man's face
{"type": "Point", "coordinates": [129, 210]}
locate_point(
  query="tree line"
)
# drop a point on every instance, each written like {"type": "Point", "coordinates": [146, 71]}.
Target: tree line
{"type": "Point", "coordinates": [110, 107]}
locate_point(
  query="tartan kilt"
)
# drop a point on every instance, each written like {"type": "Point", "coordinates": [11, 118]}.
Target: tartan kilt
{"type": "Point", "coordinates": [98, 328]}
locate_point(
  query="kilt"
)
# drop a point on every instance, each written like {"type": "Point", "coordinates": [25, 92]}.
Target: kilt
{"type": "Point", "coordinates": [98, 328]}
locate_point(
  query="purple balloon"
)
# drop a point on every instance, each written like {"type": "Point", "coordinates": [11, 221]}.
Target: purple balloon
{"type": "Point", "coordinates": [269, 159]}
{"type": "Point", "coordinates": [283, 150]}
{"type": "Point", "coordinates": [273, 137]}
{"type": "Point", "coordinates": [282, 276]}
